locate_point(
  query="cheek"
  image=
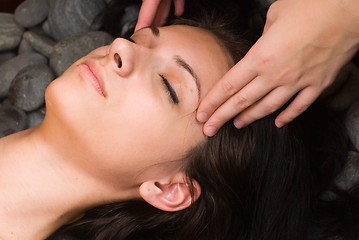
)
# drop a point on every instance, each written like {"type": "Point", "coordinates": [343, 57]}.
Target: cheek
{"type": "Point", "coordinates": [156, 123]}
{"type": "Point", "coordinates": [101, 51]}
{"type": "Point", "coordinates": [147, 135]}
{"type": "Point", "coordinates": [140, 122]}
{"type": "Point", "coordinates": [70, 102]}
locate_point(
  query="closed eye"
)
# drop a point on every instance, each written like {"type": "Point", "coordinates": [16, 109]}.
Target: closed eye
{"type": "Point", "coordinates": [171, 92]}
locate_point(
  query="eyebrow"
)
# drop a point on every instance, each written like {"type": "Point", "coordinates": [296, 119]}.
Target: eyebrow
{"type": "Point", "coordinates": [155, 31]}
{"type": "Point", "coordinates": [180, 62]}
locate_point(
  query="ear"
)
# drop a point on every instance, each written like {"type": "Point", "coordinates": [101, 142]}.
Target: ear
{"type": "Point", "coordinates": [171, 194]}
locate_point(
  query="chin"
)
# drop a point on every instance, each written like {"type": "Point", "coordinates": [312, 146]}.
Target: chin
{"type": "Point", "coordinates": [59, 103]}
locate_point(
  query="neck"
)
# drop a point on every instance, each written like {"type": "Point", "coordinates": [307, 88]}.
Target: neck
{"type": "Point", "coordinates": [40, 189]}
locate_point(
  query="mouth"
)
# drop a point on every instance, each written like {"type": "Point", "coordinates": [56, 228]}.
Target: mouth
{"type": "Point", "coordinates": [87, 73]}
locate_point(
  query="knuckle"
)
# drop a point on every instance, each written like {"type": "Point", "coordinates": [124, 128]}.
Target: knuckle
{"type": "Point", "coordinates": [287, 74]}
{"type": "Point", "coordinates": [264, 59]}
{"type": "Point", "coordinates": [272, 107]}
{"type": "Point", "coordinates": [241, 102]}
{"type": "Point", "coordinates": [299, 108]}
{"type": "Point", "coordinates": [228, 87]}
{"type": "Point", "coordinates": [216, 122]}
{"type": "Point", "coordinates": [272, 11]}
{"type": "Point", "coordinates": [212, 105]}
{"type": "Point", "coordinates": [284, 73]}
{"type": "Point", "coordinates": [270, 14]}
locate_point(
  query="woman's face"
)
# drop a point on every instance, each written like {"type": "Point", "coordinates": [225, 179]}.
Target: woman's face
{"type": "Point", "coordinates": [130, 105]}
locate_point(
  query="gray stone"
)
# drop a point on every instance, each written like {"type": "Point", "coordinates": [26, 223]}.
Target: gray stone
{"type": "Point", "coordinates": [352, 124]}
{"type": "Point", "coordinates": [11, 68]}
{"type": "Point", "coordinates": [25, 47]}
{"type": "Point", "coordinates": [348, 92]}
{"type": "Point", "coordinates": [69, 50]}
{"type": "Point", "coordinates": [39, 42]}
{"type": "Point", "coordinates": [31, 12]}
{"type": "Point", "coordinates": [10, 32]}
{"type": "Point", "coordinates": [6, 56]}
{"type": "Point", "coordinates": [46, 28]}
{"type": "Point", "coordinates": [96, 24]}
{"type": "Point", "coordinates": [28, 88]}
{"type": "Point", "coordinates": [35, 118]}
{"type": "Point", "coordinates": [12, 119]}
{"type": "Point", "coordinates": [129, 19]}
{"type": "Point", "coordinates": [350, 174]}
{"type": "Point", "coordinates": [72, 17]}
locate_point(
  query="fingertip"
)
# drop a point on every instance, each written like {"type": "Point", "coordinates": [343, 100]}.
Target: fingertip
{"type": "Point", "coordinates": [210, 131]}
{"type": "Point", "coordinates": [179, 7]}
{"type": "Point", "coordinates": [141, 24]}
{"type": "Point", "coordinates": [202, 117]}
{"type": "Point", "coordinates": [281, 120]}
{"type": "Point", "coordinates": [279, 124]}
{"type": "Point", "coordinates": [239, 123]}
{"type": "Point", "coordinates": [179, 12]}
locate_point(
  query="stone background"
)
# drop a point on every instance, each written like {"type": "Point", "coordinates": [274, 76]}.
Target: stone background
{"type": "Point", "coordinates": [44, 37]}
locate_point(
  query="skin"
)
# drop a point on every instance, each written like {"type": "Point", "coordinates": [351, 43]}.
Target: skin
{"type": "Point", "coordinates": [122, 142]}
{"type": "Point", "coordinates": [283, 63]}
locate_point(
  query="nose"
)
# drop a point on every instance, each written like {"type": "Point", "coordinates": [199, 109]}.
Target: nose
{"type": "Point", "coordinates": [122, 56]}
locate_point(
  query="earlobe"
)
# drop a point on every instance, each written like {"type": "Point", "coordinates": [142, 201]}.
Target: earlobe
{"type": "Point", "coordinates": [170, 196]}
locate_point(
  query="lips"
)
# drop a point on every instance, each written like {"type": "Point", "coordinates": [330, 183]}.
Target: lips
{"type": "Point", "coordinates": [88, 74]}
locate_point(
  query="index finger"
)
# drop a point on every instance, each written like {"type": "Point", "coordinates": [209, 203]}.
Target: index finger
{"type": "Point", "coordinates": [147, 13]}
{"type": "Point", "coordinates": [234, 80]}
{"type": "Point", "coordinates": [179, 7]}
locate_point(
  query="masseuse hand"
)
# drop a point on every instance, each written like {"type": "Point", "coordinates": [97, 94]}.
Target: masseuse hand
{"type": "Point", "coordinates": [303, 46]}
{"type": "Point", "coordinates": [155, 12]}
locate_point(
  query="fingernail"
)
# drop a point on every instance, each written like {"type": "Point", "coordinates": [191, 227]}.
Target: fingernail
{"type": "Point", "coordinates": [210, 131]}
{"type": "Point", "coordinates": [202, 117]}
{"type": "Point", "coordinates": [239, 124]}
{"type": "Point", "coordinates": [279, 124]}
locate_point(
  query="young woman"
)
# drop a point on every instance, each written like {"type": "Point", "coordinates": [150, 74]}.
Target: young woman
{"type": "Point", "coordinates": [118, 125]}
{"type": "Point", "coordinates": [256, 183]}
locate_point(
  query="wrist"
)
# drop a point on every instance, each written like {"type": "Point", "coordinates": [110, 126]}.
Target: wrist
{"type": "Point", "coordinates": [350, 14]}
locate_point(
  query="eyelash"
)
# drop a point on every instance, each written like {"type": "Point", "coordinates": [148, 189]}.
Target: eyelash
{"type": "Point", "coordinates": [171, 92]}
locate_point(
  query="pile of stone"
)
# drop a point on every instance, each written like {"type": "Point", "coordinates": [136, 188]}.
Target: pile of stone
{"type": "Point", "coordinates": [38, 43]}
